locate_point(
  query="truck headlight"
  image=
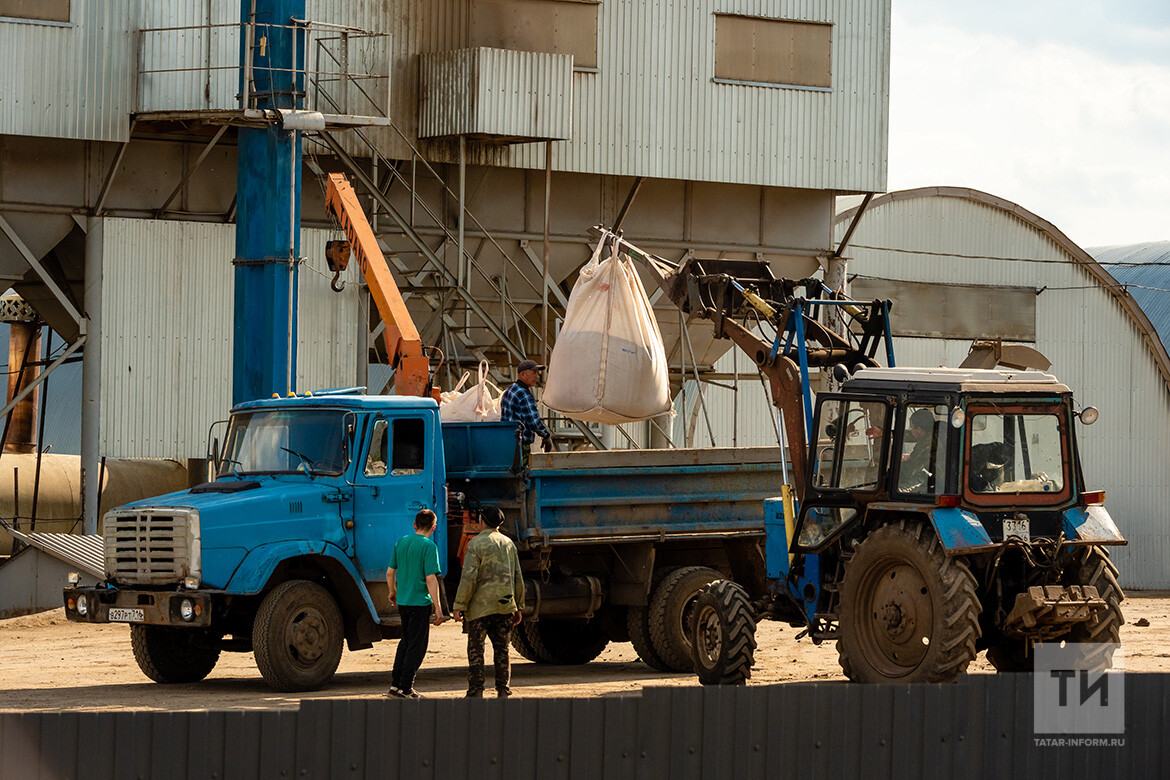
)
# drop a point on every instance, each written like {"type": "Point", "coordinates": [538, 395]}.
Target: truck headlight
{"type": "Point", "coordinates": [186, 609]}
{"type": "Point", "coordinates": [82, 606]}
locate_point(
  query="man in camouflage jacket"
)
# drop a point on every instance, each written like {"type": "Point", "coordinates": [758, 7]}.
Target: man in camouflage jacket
{"type": "Point", "coordinates": [491, 594]}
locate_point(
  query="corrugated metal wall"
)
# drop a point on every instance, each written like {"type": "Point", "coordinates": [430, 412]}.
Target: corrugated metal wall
{"type": "Point", "coordinates": [178, 67]}
{"type": "Point", "coordinates": [1095, 348]}
{"type": "Point", "coordinates": [167, 297]}
{"type": "Point", "coordinates": [983, 726]}
{"type": "Point", "coordinates": [70, 81]}
{"type": "Point", "coordinates": [652, 109]}
{"type": "Point", "coordinates": [495, 92]}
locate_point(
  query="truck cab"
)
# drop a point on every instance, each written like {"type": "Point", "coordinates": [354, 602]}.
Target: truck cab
{"type": "Point", "coordinates": [285, 553]}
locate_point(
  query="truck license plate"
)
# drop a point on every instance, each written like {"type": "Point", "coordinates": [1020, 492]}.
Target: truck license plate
{"type": "Point", "coordinates": [1018, 529]}
{"type": "Point", "coordinates": [123, 615]}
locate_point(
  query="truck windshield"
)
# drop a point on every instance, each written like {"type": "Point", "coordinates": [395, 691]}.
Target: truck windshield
{"type": "Point", "coordinates": [285, 441]}
{"type": "Point", "coordinates": [1016, 452]}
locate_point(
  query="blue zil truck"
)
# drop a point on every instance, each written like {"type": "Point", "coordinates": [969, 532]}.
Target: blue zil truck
{"type": "Point", "coordinates": [285, 553]}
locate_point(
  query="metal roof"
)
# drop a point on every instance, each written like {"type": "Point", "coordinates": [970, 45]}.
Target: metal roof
{"type": "Point", "coordinates": [1143, 270]}
{"type": "Point", "coordinates": [81, 550]}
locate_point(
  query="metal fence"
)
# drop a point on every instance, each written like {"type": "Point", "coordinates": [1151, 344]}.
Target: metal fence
{"type": "Point", "coordinates": [980, 727]}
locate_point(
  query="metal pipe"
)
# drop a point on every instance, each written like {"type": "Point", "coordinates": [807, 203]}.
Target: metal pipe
{"type": "Point", "coordinates": [91, 371]}
{"type": "Point", "coordinates": [41, 435]}
{"type": "Point", "coordinates": [544, 355]}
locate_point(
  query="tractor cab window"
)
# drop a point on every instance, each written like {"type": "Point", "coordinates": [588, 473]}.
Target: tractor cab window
{"type": "Point", "coordinates": [848, 438]}
{"type": "Point", "coordinates": [1016, 452]}
{"type": "Point", "coordinates": [923, 457]}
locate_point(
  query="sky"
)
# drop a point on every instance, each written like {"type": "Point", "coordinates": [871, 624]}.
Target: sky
{"type": "Point", "coordinates": [1061, 106]}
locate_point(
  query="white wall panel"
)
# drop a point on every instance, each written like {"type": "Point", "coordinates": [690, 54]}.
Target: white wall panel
{"type": "Point", "coordinates": [1095, 346]}
{"type": "Point", "coordinates": [167, 298]}
{"type": "Point", "coordinates": [70, 81]}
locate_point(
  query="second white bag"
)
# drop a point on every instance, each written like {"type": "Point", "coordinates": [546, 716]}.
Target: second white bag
{"type": "Point", "coordinates": [479, 403]}
{"type": "Point", "coordinates": [608, 364]}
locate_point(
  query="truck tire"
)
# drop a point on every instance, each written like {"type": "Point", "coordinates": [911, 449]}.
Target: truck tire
{"type": "Point", "coordinates": [173, 655]}
{"type": "Point", "coordinates": [672, 615]}
{"type": "Point", "coordinates": [524, 647]}
{"type": "Point", "coordinates": [297, 636]}
{"type": "Point", "coordinates": [564, 642]}
{"type": "Point", "coordinates": [724, 639]}
{"type": "Point", "coordinates": [638, 624]}
{"type": "Point", "coordinates": [1091, 567]}
{"type": "Point", "coordinates": [909, 613]}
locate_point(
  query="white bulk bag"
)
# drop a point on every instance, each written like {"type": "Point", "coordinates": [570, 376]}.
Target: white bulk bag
{"type": "Point", "coordinates": [608, 365]}
{"type": "Point", "coordinates": [479, 403]}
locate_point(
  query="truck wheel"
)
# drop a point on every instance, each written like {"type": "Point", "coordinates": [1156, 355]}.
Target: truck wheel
{"type": "Point", "coordinates": [672, 615]}
{"type": "Point", "coordinates": [297, 636]}
{"type": "Point", "coordinates": [564, 642]}
{"type": "Point", "coordinates": [908, 612]}
{"type": "Point", "coordinates": [724, 639]}
{"type": "Point", "coordinates": [173, 655]}
{"type": "Point", "coordinates": [638, 624]}
{"type": "Point", "coordinates": [1094, 568]}
{"type": "Point", "coordinates": [524, 647]}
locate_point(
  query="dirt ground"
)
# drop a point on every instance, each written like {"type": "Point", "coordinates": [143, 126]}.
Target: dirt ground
{"type": "Point", "coordinates": [48, 663]}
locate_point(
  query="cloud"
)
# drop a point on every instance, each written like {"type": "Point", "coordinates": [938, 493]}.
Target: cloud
{"type": "Point", "coordinates": [1076, 136]}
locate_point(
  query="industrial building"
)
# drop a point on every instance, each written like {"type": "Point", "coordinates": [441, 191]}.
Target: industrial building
{"type": "Point", "coordinates": [708, 128]}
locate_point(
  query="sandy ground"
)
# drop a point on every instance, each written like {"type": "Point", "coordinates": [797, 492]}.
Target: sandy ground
{"type": "Point", "coordinates": [48, 663]}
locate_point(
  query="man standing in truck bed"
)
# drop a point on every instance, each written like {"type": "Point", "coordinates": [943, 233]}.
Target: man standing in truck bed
{"type": "Point", "coordinates": [518, 404]}
{"type": "Point", "coordinates": [491, 592]}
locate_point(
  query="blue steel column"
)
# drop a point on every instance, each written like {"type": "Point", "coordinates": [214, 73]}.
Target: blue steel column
{"type": "Point", "coordinates": [268, 208]}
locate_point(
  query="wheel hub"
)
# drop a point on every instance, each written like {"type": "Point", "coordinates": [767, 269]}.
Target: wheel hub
{"type": "Point", "coordinates": [710, 638]}
{"type": "Point", "coordinates": [306, 636]}
{"type": "Point", "coordinates": [901, 616]}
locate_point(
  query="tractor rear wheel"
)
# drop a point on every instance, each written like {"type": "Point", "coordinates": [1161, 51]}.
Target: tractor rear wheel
{"type": "Point", "coordinates": [908, 612]}
{"type": "Point", "coordinates": [724, 638]}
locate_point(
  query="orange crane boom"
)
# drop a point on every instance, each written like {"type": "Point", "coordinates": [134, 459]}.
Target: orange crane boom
{"type": "Point", "coordinates": [403, 345]}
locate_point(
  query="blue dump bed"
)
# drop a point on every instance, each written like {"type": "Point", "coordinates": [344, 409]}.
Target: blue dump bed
{"type": "Point", "coordinates": [619, 495]}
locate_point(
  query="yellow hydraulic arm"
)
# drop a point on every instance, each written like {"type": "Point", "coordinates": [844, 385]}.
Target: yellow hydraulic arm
{"type": "Point", "coordinates": [403, 345]}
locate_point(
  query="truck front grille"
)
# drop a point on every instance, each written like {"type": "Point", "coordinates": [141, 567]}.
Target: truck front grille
{"type": "Point", "coordinates": [151, 546]}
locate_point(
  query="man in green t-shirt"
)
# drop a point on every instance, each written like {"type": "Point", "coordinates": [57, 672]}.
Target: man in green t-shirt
{"type": "Point", "coordinates": [413, 578]}
{"type": "Point", "coordinates": [491, 592]}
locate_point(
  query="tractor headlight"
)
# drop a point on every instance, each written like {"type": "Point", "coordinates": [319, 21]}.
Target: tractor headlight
{"type": "Point", "coordinates": [187, 609]}
{"type": "Point", "coordinates": [82, 606]}
{"type": "Point", "coordinates": [191, 583]}
{"type": "Point", "coordinates": [74, 578]}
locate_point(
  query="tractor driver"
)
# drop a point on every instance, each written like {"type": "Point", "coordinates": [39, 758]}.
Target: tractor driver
{"type": "Point", "coordinates": [916, 473]}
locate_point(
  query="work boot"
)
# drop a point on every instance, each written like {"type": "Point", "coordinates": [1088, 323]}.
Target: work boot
{"type": "Point", "coordinates": [474, 695]}
{"type": "Point", "coordinates": [503, 693]}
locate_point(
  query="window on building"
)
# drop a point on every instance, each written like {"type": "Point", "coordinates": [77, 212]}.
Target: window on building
{"type": "Point", "coordinates": [552, 26]}
{"type": "Point", "coordinates": [773, 51]}
{"type": "Point", "coordinates": [40, 10]}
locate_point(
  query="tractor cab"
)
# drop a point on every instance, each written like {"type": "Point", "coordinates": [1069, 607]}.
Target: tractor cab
{"type": "Point", "coordinates": [993, 442]}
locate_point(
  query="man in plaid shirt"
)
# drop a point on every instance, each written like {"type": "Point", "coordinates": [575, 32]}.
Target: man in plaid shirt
{"type": "Point", "coordinates": [518, 404]}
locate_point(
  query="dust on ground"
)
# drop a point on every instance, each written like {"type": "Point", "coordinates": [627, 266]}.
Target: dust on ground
{"type": "Point", "coordinates": [50, 664]}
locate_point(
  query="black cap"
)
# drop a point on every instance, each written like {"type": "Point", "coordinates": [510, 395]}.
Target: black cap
{"type": "Point", "coordinates": [529, 365]}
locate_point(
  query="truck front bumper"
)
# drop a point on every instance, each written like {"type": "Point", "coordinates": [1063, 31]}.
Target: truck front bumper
{"type": "Point", "coordinates": [180, 608]}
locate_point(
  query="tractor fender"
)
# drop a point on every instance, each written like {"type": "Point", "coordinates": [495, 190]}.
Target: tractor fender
{"type": "Point", "coordinates": [958, 530]}
{"type": "Point", "coordinates": [258, 567]}
{"type": "Point", "coordinates": [1091, 524]}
